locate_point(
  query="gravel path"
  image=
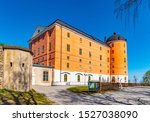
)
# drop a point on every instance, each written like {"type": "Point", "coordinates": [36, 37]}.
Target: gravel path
{"type": "Point", "coordinates": [128, 96]}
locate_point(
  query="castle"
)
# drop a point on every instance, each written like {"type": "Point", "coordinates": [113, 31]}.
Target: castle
{"type": "Point", "coordinates": [78, 57]}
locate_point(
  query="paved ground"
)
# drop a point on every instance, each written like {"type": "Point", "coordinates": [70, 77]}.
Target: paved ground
{"type": "Point", "coordinates": [128, 96]}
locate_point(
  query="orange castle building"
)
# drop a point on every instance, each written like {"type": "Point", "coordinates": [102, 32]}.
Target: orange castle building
{"type": "Point", "coordinates": [78, 57]}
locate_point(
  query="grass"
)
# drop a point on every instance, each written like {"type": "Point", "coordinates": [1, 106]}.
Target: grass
{"type": "Point", "coordinates": [78, 89]}
{"type": "Point", "coordinates": [9, 97]}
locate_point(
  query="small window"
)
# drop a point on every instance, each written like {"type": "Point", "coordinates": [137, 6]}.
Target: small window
{"type": "Point", "coordinates": [107, 71]}
{"type": "Point", "coordinates": [125, 72]}
{"type": "Point", "coordinates": [100, 57]}
{"type": "Point", "coordinates": [100, 70]}
{"type": "Point", "coordinates": [90, 54]}
{"type": "Point", "coordinates": [43, 49]}
{"type": "Point", "coordinates": [80, 60]}
{"type": "Point", "coordinates": [45, 76]}
{"type": "Point", "coordinates": [113, 66]}
{"type": "Point", "coordinates": [113, 71]}
{"type": "Point", "coordinates": [90, 44]}
{"type": "Point", "coordinates": [22, 64]}
{"type": "Point", "coordinates": [124, 52]}
{"type": "Point", "coordinates": [10, 64]}
{"type": "Point", "coordinates": [112, 44]}
{"type": "Point", "coordinates": [113, 59]}
{"type": "Point", "coordinates": [100, 48]}
{"type": "Point", "coordinates": [107, 59]}
{"type": "Point", "coordinates": [67, 65]}
{"type": "Point", "coordinates": [68, 57]}
{"type": "Point", "coordinates": [80, 51]}
{"type": "Point", "coordinates": [65, 77]}
{"type": "Point", "coordinates": [100, 65]}
{"type": "Point", "coordinates": [68, 35]}
{"type": "Point", "coordinates": [125, 60]}
{"type": "Point", "coordinates": [89, 62]}
{"type": "Point", "coordinates": [38, 31]}
{"type": "Point", "coordinates": [124, 45]}
{"type": "Point", "coordinates": [125, 79]}
{"type": "Point", "coordinates": [107, 51]}
{"type": "Point", "coordinates": [80, 40]}
{"type": "Point", "coordinates": [112, 51]}
{"type": "Point", "coordinates": [68, 47]}
{"type": "Point", "coordinates": [78, 78]}
{"type": "Point", "coordinates": [49, 56]}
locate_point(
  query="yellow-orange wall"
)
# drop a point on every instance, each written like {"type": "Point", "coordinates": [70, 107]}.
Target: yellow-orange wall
{"type": "Point", "coordinates": [75, 44]}
{"type": "Point", "coordinates": [120, 52]}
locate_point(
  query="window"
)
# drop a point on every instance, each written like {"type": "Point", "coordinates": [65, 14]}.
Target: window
{"type": "Point", "coordinates": [125, 79]}
{"type": "Point", "coordinates": [89, 78]}
{"type": "Point", "coordinates": [10, 64]}
{"type": "Point", "coordinates": [100, 79]}
{"type": "Point", "coordinates": [113, 59]}
{"type": "Point", "coordinates": [107, 59]}
{"type": "Point", "coordinates": [113, 71]}
{"type": "Point", "coordinates": [68, 35]}
{"type": "Point", "coordinates": [68, 47]}
{"type": "Point", "coordinates": [67, 65]}
{"type": "Point", "coordinates": [80, 51]}
{"type": "Point", "coordinates": [100, 65]}
{"type": "Point", "coordinates": [89, 62]}
{"type": "Point", "coordinates": [125, 72]}
{"type": "Point", "coordinates": [124, 45]}
{"type": "Point", "coordinates": [80, 60]}
{"type": "Point", "coordinates": [112, 51]}
{"type": "Point", "coordinates": [43, 49]}
{"type": "Point", "coordinates": [107, 71]}
{"type": "Point", "coordinates": [100, 57]}
{"type": "Point", "coordinates": [100, 48]}
{"type": "Point", "coordinates": [90, 44]}
{"type": "Point", "coordinates": [42, 58]}
{"type": "Point", "coordinates": [78, 78]}
{"type": "Point", "coordinates": [68, 57]}
{"type": "Point", "coordinates": [100, 70]}
{"type": "Point", "coordinates": [125, 60]}
{"type": "Point", "coordinates": [49, 56]}
{"type": "Point", "coordinates": [50, 47]}
{"type": "Point", "coordinates": [22, 64]}
{"type": "Point", "coordinates": [38, 31]}
{"type": "Point", "coordinates": [80, 40]}
{"type": "Point", "coordinates": [124, 52]}
{"type": "Point", "coordinates": [112, 66]}
{"type": "Point", "coordinates": [107, 51]}
{"type": "Point", "coordinates": [90, 55]}
{"type": "Point", "coordinates": [112, 44]}
{"type": "Point", "coordinates": [45, 76]}
{"type": "Point", "coordinates": [65, 77]}
{"type": "Point", "coordinates": [38, 51]}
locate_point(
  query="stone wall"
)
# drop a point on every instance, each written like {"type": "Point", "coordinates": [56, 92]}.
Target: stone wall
{"type": "Point", "coordinates": [1, 65]}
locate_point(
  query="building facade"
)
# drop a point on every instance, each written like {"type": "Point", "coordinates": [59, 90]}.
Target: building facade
{"type": "Point", "coordinates": [42, 75]}
{"type": "Point", "coordinates": [15, 68]}
{"type": "Point", "coordinates": [78, 57]}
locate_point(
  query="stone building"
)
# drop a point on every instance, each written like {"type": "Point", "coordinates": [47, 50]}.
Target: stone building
{"type": "Point", "coordinates": [15, 68]}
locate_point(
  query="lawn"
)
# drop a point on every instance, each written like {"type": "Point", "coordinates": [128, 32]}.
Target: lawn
{"type": "Point", "coordinates": [9, 97]}
{"type": "Point", "coordinates": [78, 89]}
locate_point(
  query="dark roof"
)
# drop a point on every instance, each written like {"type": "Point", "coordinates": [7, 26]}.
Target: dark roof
{"type": "Point", "coordinates": [115, 37]}
{"type": "Point", "coordinates": [72, 28]}
{"type": "Point", "coordinates": [5, 46]}
{"type": "Point", "coordinates": [39, 65]}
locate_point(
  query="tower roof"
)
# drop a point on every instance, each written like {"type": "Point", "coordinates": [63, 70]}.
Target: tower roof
{"type": "Point", "coordinates": [115, 37]}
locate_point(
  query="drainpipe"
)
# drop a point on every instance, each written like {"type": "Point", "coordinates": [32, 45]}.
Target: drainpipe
{"type": "Point", "coordinates": [61, 54]}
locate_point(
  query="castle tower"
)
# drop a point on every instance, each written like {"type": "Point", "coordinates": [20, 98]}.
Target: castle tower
{"type": "Point", "coordinates": [118, 58]}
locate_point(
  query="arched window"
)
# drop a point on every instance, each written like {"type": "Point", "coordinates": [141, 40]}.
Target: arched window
{"type": "Point", "coordinates": [100, 79]}
{"type": "Point", "coordinates": [78, 78]}
{"type": "Point", "coordinates": [89, 78]}
{"type": "Point", "coordinates": [113, 79]}
{"type": "Point", "coordinates": [65, 77]}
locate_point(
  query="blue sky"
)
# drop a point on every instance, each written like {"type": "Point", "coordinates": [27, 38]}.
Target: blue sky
{"type": "Point", "coordinates": [19, 18]}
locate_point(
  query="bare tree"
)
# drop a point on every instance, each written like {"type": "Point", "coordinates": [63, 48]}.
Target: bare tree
{"type": "Point", "coordinates": [129, 9]}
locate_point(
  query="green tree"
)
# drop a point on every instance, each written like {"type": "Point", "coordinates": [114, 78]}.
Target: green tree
{"type": "Point", "coordinates": [146, 78]}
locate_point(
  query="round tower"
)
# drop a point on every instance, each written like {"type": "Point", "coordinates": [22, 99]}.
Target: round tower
{"type": "Point", "coordinates": [118, 58]}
